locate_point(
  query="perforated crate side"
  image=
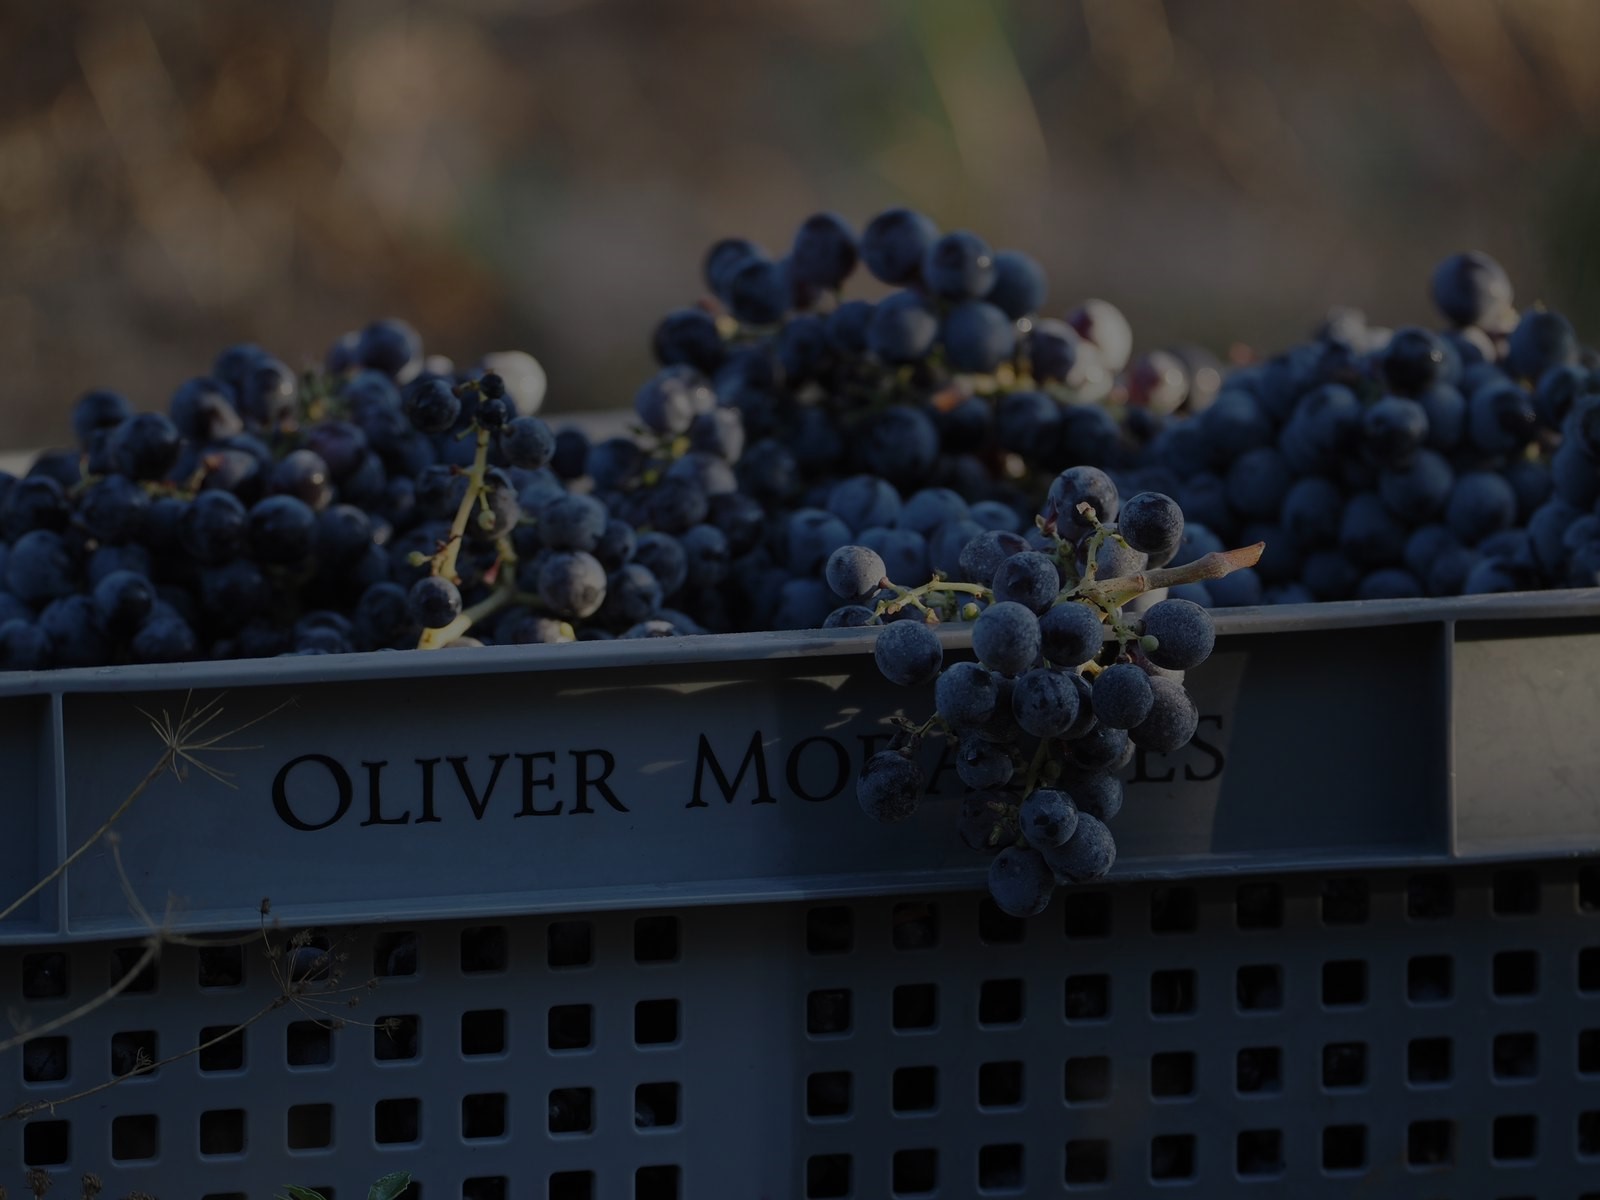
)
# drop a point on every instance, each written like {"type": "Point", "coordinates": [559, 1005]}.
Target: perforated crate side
{"type": "Point", "coordinates": [1387, 1034]}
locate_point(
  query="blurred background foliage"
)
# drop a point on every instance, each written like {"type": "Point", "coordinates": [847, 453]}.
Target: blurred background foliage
{"type": "Point", "coordinates": [545, 174]}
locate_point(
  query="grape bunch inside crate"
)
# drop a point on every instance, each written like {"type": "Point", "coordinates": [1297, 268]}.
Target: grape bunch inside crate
{"type": "Point", "coordinates": [619, 928]}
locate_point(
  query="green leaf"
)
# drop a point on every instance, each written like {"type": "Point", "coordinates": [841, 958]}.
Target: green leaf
{"type": "Point", "coordinates": [390, 1186]}
{"type": "Point", "coordinates": [300, 1193]}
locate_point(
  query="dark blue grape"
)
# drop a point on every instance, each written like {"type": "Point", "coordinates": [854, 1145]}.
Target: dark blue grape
{"type": "Point", "coordinates": [1481, 503]}
{"type": "Point", "coordinates": [1173, 717]}
{"type": "Point", "coordinates": [824, 251]}
{"type": "Point", "coordinates": [1086, 856]}
{"type": "Point", "coordinates": [723, 259]}
{"type": "Point", "coordinates": [966, 695]}
{"type": "Point", "coordinates": [889, 786]}
{"type": "Point", "coordinates": [851, 616]}
{"type": "Point", "coordinates": [77, 636]}
{"type": "Point", "coordinates": [24, 646]}
{"type": "Point", "coordinates": [572, 522]}
{"type": "Point", "coordinates": [1471, 288]}
{"type": "Point", "coordinates": [1412, 361]}
{"type": "Point", "coordinates": [757, 292]}
{"type": "Point", "coordinates": [1046, 702]}
{"type": "Point", "coordinates": [1153, 523]}
{"type": "Point", "coordinates": [810, 536]}
{"type": "Point", "coordinates": [908, 653]}
{"type": "Point", "coordinates": [854, 571]}
{"type": "Point", "coordinates": [1029, 578]}
{"type": "Point", "coordinates": [343, 533]}
{"type": "Point", "coordinates": [664, 555]}
{"type": "Point", "coordinates": [1541, 341]}
{"type": "Point", "coordinates": [213, 528]}
{"type": "Point", "coordinates": [977, 337]}
{"type": "Point", "coordinates": [894, 244]}
{"type": "Point", "coordinates": [1121, 696]}
{"type": "Point", "coordinates": [1184, 633]}
{"type": "Point", "coordinates": [847, 326]}
{"type": "Point", "coordinates": [1047, 818]}
{"type": "Point", "coordinates": [1019, 287]}
{"type": "Point", "coordinates": [390, 346]}
{"type": "Point", "coordinates": [1006, 638]}
{"type": "Point", "coordinates": [904, 552]}
{"type": "Point", "coordinates": [1078, 485]}
{"type": "Point", "coordinates": [959, 266]}
{"type": "Point", "coordinates": [903, 328]}
{"type": "Point", "coordinates": [672, 398]}
{"type": "Point", "coordinates": [98, 411]}
{"type": "Point", "coordinates": [1370, 533]}
{"type": "Point", "coordinates": [1446, 411]}
{"type": "Point", "coordinates": [431, 405]}
{"type": "Point", "coordinates": [303, 474]}
{"type": "Point", "coordinates": [1417, 492]}
{"type": "Point", "coordinates": [1097, 794]}
{"type": "Point", "coordinates": [1020, 881]}
{"type": "Point", "coordinates": [689, 337]}
{"type": "Point", "coordinates": [41, 567]}
{"type": "Point", "coordinates": [901, 444]}
{"type": "Point", "coordinates": [1071, 633]}
{"type": "Point", "coordinates": [434, 602]}
{"type": "Point", "coordinates": [1501, 418]}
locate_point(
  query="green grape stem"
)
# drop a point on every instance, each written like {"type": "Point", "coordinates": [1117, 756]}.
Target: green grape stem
{"type": "Point", "coordinates": [913, 596]}
{"type": "Point", "coordinates": [1114, 593]}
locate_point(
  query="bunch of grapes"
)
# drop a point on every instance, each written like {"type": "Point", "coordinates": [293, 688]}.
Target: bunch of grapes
{"type": "Point", "coordinates": [1065, 684]}
{"type": "Point", "coordinates": [1379, 464]}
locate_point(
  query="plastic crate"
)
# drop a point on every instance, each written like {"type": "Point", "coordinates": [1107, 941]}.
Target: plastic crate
{"type": "Point", "coordinates": [1351, 944]}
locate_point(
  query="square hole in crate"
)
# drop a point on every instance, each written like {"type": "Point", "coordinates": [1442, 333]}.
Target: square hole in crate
{"type": "Point", "coordinates": [1171, 1074]}
{"type": "Point", "coordinates": [219, 966]}
{"type": "Point", "coordinates": [1000, 1084]}
{"type": "Point", "coordinates": [1515, 1139]}
{"type": "Point", "coordinates": [1516, 973]}
{"type": "Point", "coordinates": [1430, 979]}
{"type": "Point", "coordinates": [655, 1022]}
{"type": "Point", "coordinates": [1345, 901]}
{"type": "Point", "coordinates": [483, 1031]}
{"type": "Point", "coordinates": [222, 1131]}
{"type": "Point", "coordinates": [484, 949]}
{"type": "Point", "coordinates": [1431, 1143]}
{"type": "Point", "coordinates": [396, 1037]}
{"type": "Point", "coordinates": [1088, 997]}
{"type": "Point", "coordinates": [134, 1050]}
{"type": "Point", "coordinates": [830, 930]}
{"type": "Point", "coordinates": [1428, 1061]}
{"type": "Point", "coordinates": [1088, 1079]}
{"type": "Point", "coordinates": [46, 1059]}
{"type": "Point", "coordinates": [828, 1094]}
{"type": "Point", "coordinates": [568, 944]}
{"type": "Point", "coordinates": [310, 1126]}
{"type": "Point", "coordinates": [1516, 892]}
{"type": "Point", "coordinates": [308, 1044]}
{"type": "Point", "coordinates": [655, 940]}
{"type": "Point", "coordinates": [1088, 1162]}
{"type": "Point", "coordinates": [221, 1048]}
{"type": "Point", "coordinates": [828, 1011]}
{"type": "Point", "coordinates": [1086, 914]}
{"type": "Point", "coordinates": [827, 1175]}
{"type": "Point", "coordinates": [1259, 987]}
{"type": "Point", "coordinates": [1172, 993]}
{"type": "Point", "coordinates": [571, 1185]}
{"type": "Point", "coordinates": [44, 976]}
{"type": "Point", "coordinates": [1258, 1152]}
{"type": "Point", "coordinates": [996, 928]}
{"type": "Point", "coordinates": [394, 954]}
{"type": "Point", "coordinates": [1589, 1133]}
{"type": "Point", "coordinates": [1344, 1147]}
{"type": "Point", "coordinates": [1344, 1065]}
{"type": "Point", "coordinates": [1258, 1069]}
{"type": "Point", "coordinates": [915, 1006]}
{"type": "Point", "coordinates": [1258, 905]}
{"type": "Point", "coordinates": [1589, 1052]}
{"type": "Point", "coordinates": [914, 1089]}
{"type": "Point", "coordinates": [397, 1121]}
{"type": "Point", "coordinates": [1000, 1168]}
{"type": "Point", "coordinates": [655, 1105]}
{"type": "Point", "coordinates": [1174, 910]}
{"type": "Point", "coordinates": [1589, 969]}
{"type": "Point", "coordinates": [1516, 1055]}
{"type": "Point", "coordinates": [485, 1187]}
{"type": "Point", "coordinates": [483, 1115]}
{"type": "Point", "coordinates": [1344, 983]}
{"type": "Point", "coordinates": [1172, 1156]}
{"type": "Point", "coordinates": [46, 1143]}
{"type": "Point", "coordinates": [135, 1137]}
{"type": "Point", "coordinates": [125, 961]}
{"type": "Point", "coordinates": [1430, 896]}
{"type": "Point", "coordinates": [657, 1182]}
{"type": "Point", "coordinates": [570, 1027]}
{"type": "Point", "coordinates": [571, 1110]}
{"type": "Point", "coordinates": [914, 925]}
{"type": "Point", "coordinates": [1589, 889]}
{"type": "Point", "coordinates": [914, 1172]}
{"type": "Point", "coordinates": [1000, 1002]}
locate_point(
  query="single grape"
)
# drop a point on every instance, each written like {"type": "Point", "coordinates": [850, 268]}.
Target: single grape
{"type": "Point", "coordinates": [1121, 695]}
{"type": "Point", "coordinates": [908, 653]}
{"type": "Point", "coordinates": [889, 786]}
{"type": "Point", "coordinates": [1028, 578]}
{"type": "Point", "coordinates": [959, 266]}
{"type": "Point", "coordinates": [1048, 817]}
{"type": "Point", "coordinates": [1006, 637]}
{"type": "Point", "coordinates": [573, 583]}
{"type": "Point", "coordinates": [1086, 856]}
{"type": "Point", "coordinates": [983, 763]}
{"type": "Point", "coordinates": [1184, 633]}
{"type": "Point", "coordinates": [894, 244]}
{"type": "Point", "coordinates": [1046, 702]}
{"type": "Point", "coordinates": [1098, 794]}
{"type": "Point", "coordinates": [1020, 881]}
{"type": "Point", "coordinates": [434, 602]}
{"type": "Point", "coordinates": [1153, 523]}
{"type": "Point", "coordinates": [854, 571]}
{"type": "Point", "coordinates": [1078, 485]}
{"type": "Point", "coordinates": [1071, 633]}
{"type": "Point", "coordinates": [1172, 721]}
{"type": "Point", "coordinates": [966, 695]}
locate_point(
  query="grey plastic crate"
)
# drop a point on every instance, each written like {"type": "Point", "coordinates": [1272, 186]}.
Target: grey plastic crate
{"type": "Point", "coordinates": [574, 840]}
